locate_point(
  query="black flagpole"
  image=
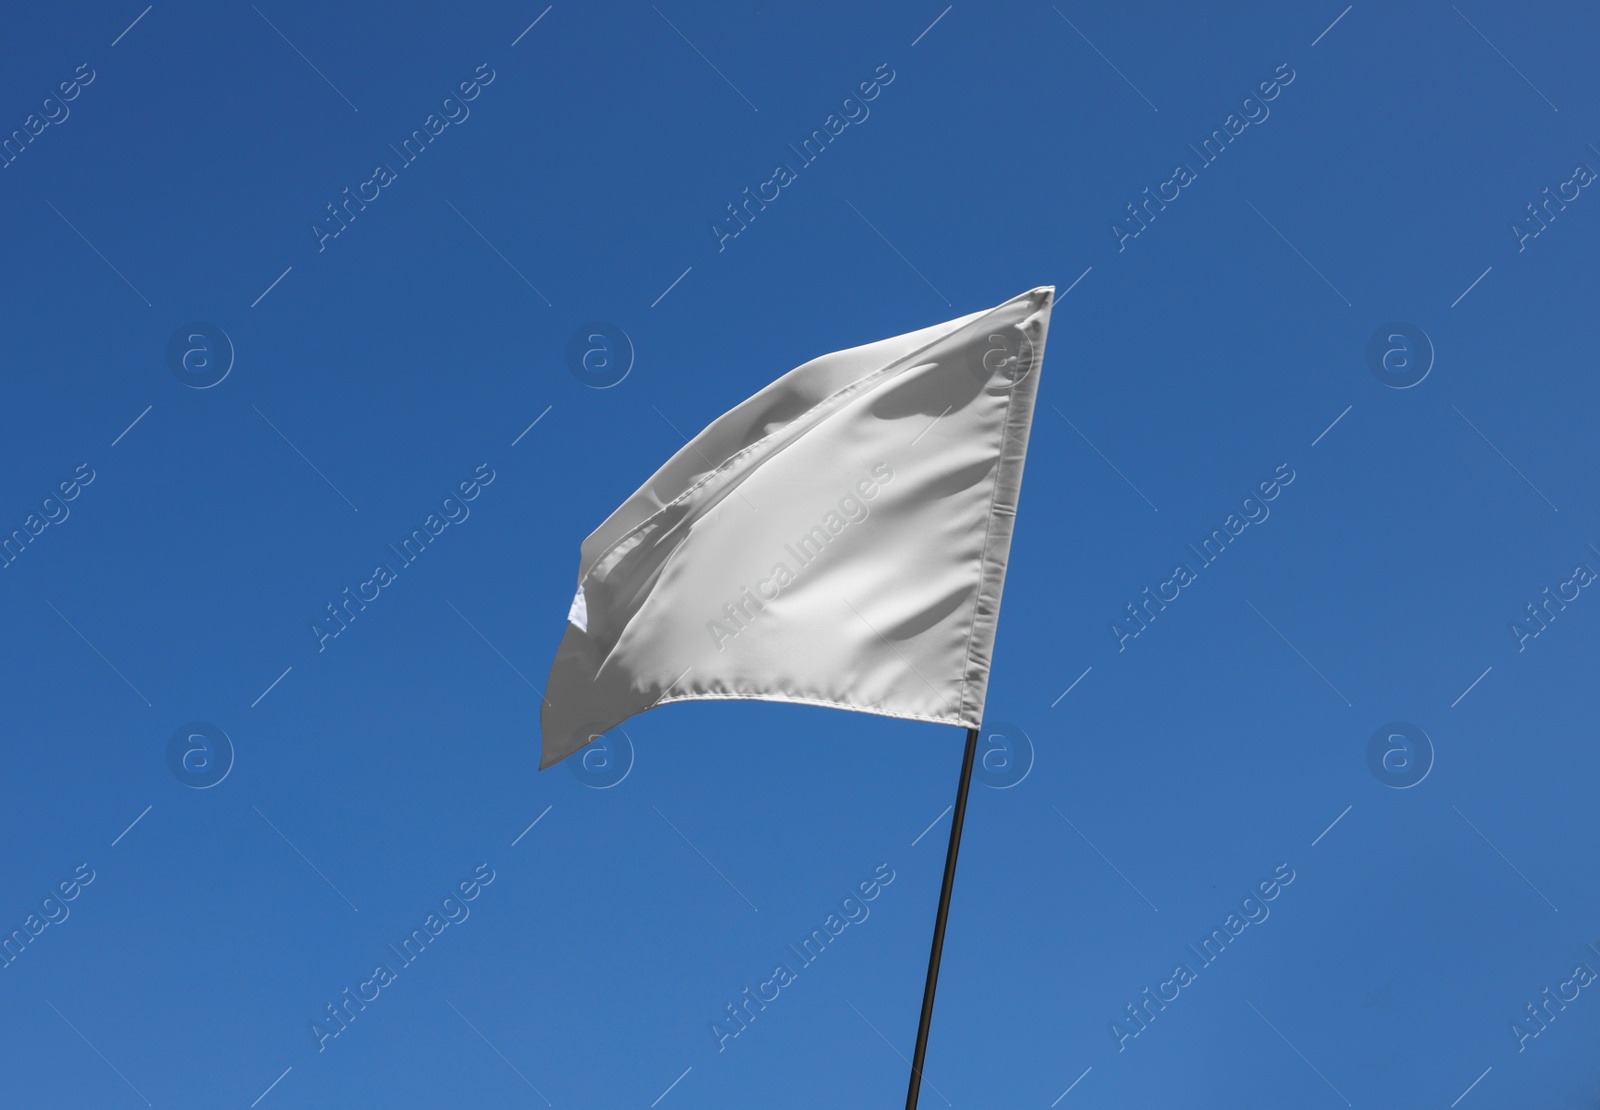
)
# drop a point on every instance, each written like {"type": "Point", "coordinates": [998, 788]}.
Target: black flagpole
{"type": "Point", "coordinates": [939, 922]}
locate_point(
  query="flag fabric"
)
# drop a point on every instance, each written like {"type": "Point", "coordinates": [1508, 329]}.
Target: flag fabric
{"type": "Point", "coordinates": [839, 539]}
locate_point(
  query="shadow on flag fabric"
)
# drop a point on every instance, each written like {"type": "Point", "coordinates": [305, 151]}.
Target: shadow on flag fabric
{"type": "Point", "coordinates": [839, 539]}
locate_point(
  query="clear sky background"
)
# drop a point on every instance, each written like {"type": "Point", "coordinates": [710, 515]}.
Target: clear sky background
{"type": "Point", "coordinates": [1168, 774]}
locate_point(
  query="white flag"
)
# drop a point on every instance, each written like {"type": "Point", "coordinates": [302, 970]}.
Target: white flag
{"type": "Point", "coordinates": [839, 539]}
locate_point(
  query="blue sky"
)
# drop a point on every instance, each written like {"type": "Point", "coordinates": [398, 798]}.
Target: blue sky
{"type": "Point", "coordinates": [170, 175]}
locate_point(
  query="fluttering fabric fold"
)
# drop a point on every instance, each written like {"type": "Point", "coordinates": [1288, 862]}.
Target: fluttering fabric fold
{"type": "Point", "coordinates": [838, 539]}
